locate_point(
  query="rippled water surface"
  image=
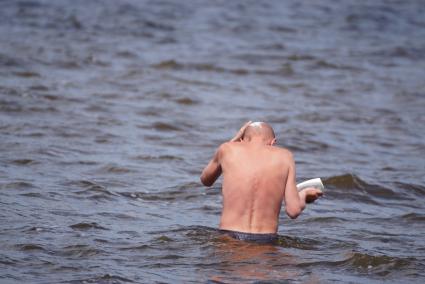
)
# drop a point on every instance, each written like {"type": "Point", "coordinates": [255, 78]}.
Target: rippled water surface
{"type": "Point", "coordinates": [110, 109]}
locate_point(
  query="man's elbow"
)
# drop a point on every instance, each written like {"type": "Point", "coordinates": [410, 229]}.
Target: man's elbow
{"type": "Point", "coordinates": [206, 181]}
{"type": "Point", "coordinates": [293, 212]}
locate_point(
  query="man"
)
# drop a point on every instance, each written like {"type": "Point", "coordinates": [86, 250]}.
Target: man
{"type": "Point", "coordinates": [257, 177]}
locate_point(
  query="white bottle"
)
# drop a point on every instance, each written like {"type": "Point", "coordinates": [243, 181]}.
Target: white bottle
{"type": "Point", "coordinates": [315, 182]}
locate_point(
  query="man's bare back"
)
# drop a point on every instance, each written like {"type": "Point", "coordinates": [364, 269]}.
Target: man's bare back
{"type": "Point", "coordinates": [257, 178]}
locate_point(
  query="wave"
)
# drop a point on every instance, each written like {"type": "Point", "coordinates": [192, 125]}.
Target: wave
{"type": "Point", "coordinates": [411, 188]}
{"type": "Point", "coordinates": [106, 278]}
{"type": "Point", "coordinates": [323, 64]}
{"type": "Point", "coordinates": [370, 264]}
{"type": "Point", "coordinates": [83, 226]}
{"type": "Point", "coordinates": [163, 126]}
{"type": "Point", "coordinates": [285, 69]}
{"type": "Point", "coordinates": [413, 217]}
{"type": "Point", "coordinates": [350, 185]}
{"type": "Point", "coordinates": [135, 247]}
{"type": "Point", "coordinates": [19, 185]}
{"type": "Point", "coordinates": [24, 162]}
{"type": "Point", "coordinates": [90, 189]}
{"type": "Point", "coordinates": [80, 251]}
{"type": "Point", "coordinates": [377, 264]}
{"type": "Point", "coordinates": [111, 168]}
{"type": "Point", "coordinates": [186, 101]}
{"type": "Point", "coordinates": [181, 193]}
{"type": "Point", "coordinates": [30, 247]}
{"type": "Point", "coordinates": [159, 158]}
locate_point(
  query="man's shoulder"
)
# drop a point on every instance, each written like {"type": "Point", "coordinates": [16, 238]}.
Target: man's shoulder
{"type": "Point", "coordinates": [281, 150]}
{"type": "Point", "coordinates": [284, 152]}
{"type": "Point", "coordinates": [230, 146]}
{"type": "Point", "coordinates": [225, 147]}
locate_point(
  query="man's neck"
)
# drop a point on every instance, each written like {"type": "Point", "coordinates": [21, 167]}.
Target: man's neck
{"type": "Point", "coordinates": [257, 141]}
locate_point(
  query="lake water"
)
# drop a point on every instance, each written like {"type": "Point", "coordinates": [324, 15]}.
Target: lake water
{"type": "Point", "coordinates": [109, 110]}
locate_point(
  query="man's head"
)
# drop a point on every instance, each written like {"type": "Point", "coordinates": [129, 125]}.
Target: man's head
{"type": "Point", "coordinates": [260, 131]}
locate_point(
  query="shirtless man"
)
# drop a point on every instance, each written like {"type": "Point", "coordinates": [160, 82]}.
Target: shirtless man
{"type": "Point", "coordinates": [257, 177]}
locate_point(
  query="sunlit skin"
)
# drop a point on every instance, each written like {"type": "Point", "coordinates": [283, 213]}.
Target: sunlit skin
{"type": "Point", "coordinates": [257, 178]}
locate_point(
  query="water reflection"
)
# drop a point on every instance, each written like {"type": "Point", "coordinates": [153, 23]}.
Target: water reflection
{"type": "Point", "coordinates": [248, 261]}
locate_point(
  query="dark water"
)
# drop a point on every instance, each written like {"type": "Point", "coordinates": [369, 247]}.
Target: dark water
{"type": "Point", "coordinates": [110, 109]}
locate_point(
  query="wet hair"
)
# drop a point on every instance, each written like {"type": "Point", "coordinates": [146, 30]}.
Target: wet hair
{"type": "Point", "coordinates": [259, 129]}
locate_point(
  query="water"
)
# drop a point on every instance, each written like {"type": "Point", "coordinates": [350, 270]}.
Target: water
{"type": "Point", "coordinates": [109, 111]}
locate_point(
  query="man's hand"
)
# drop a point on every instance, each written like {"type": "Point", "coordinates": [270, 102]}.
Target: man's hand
{"type": "Point", "coordinates": [310, 194]}
{"type": "Point", "coordinates": [239, 135]}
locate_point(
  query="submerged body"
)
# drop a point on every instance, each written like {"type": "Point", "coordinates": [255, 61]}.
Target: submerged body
{"type": "Point", "coordinates": [257, 178]}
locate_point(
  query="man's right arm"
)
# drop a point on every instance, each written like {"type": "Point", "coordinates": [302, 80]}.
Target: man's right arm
{"type": "Point", "coordinates": [213, 170]}
{"type": "Point", "coordinates": [294, 203]}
